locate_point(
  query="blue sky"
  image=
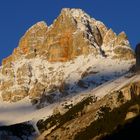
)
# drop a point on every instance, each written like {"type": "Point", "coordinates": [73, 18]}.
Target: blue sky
{"type": "Point", "coordinates": [16, 16]}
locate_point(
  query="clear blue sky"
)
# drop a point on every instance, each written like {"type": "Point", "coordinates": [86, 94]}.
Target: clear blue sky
{"type": "Point", "coordinates": [16, 16]}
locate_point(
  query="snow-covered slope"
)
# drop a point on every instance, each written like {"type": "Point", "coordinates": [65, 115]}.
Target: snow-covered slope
{"type": "Point", "coordinates": [82, 73]}
{"type": "Point", "coordinates": [25, 112]}
{"type": "Point", "coordinates": [101, 71]}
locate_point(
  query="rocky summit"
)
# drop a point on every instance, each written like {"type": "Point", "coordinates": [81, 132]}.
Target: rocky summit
{"type": "Point", "coordinates": [72, 34]}
{"type": "Point", "coordinates": [34, 66]}
{"type": "Point", "coordinates": [65, 74]}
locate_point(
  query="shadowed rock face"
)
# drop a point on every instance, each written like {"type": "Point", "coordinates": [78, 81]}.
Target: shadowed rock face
{"type": "Point", "coordinates": [18, 131]}
{"type": "Point", "coordinates": [137, 51]}
{"type": "Point", "coordinates": [129, 131]}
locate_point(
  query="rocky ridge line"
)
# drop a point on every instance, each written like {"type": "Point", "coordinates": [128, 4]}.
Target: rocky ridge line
{"type": "Point", "coordinates": [44, 52]}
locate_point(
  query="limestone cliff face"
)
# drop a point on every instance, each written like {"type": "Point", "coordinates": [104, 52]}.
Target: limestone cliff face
{"type": "Point", "coordinates": [63, 42]}
{"type": "Point", "coordinates": [72, 35]}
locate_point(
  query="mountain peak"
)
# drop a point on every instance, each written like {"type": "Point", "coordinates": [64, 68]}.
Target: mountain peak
{"type": "Point", "coordinates": [81, 19]}
{"type": "Point", "coordinates": [63, 73]}
{"type": "Point", "coordinates": [38, 26]}
{"type": "Point", "coordinates": [73, 12]}
{"type": "Point", "coordinates": [75, 32]}
{"type": "Point", "coordinates": [74, 39]}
